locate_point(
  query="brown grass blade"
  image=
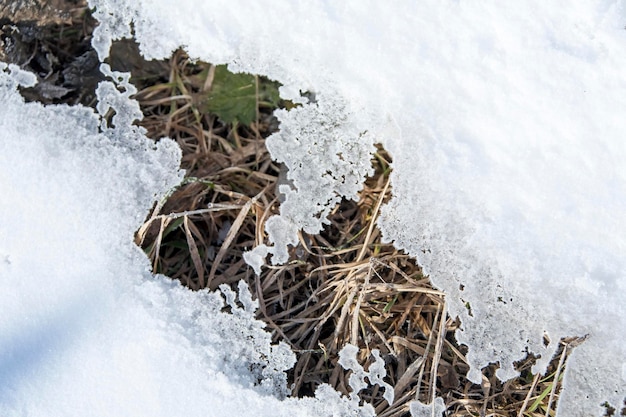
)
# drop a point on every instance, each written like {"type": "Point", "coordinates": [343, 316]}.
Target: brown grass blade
{"type": "Point", "coordinates": [193, 252]}
{"type": "Point", "coordinates": [232, 233]}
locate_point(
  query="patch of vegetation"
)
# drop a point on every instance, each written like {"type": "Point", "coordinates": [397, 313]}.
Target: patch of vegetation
{"type": "Point", "coordinates": [237, 98]}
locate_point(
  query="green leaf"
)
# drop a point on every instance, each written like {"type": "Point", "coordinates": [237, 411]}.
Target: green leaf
{"type": "Point", "coordinates": [268, 93]}
{"type": "Point", "coordinates": [233, 97]}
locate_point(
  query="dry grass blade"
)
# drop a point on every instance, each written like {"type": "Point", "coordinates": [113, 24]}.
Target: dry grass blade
{"type": "Point", "coordinates": [157, 244]}
{"type": "Point", "coordinates": [407, 376]}
{"type": "Point", "coordinates": [193, 251]}
{"type": "Point", "coordinates": [370, 228]}
{"type": "Point", "coordinates": [528, 396]}
{"type": "Point", "coordinates": [556, 378]}
{"type": "Point", "coordinates": [232, 233]}
{"type": "Point", "coordinates": [568, 345]}
{"type": "Point", "coordinates": [357, 309]}
{"type": "Point", "coordinates": [437, 354]}
{"type": "Point", "coordinates": [420, 377]}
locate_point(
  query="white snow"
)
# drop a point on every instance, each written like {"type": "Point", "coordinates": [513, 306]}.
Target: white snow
{"type": "Point", "coordinates": [375, 373]}
{"type": "Point", "coordinates": [505, 122]}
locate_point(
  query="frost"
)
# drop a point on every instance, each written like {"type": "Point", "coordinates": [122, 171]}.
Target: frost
{"type": "Point", "coordinates": [327, 158]}
{"type": "Point", "coordinates": [255, 363]}
{"type": "Point", "coordinates": [17, 77]}
{"type": "Point", "coordinates": [115, 17]}
{"type": "Point", "coordinates": [435, 409]}
{"type": "Point", "coordinates": [330, 402]}
{"type": "Point", "coordinates": [116, 98]}
{"type": "Point", "coordinates": [256, 258]}
{"type": "Point", "coordinates": [375, 373]}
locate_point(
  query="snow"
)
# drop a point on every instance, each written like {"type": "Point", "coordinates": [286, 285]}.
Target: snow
{"type": "Point", "coordinates": [375, 373]}
{"type": "Point", "coordinates": [505, 123]}
{"type": "Point", "coordinates": [306, 149]}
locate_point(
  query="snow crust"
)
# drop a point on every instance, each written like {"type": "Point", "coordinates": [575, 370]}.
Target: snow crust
{"type": "Point", "coordinates": [317, 144]}
{"type": "Point", "coordinates": [85, 328]}
{"type": "Point", "coordinates": [505, 122]}
{"type": "Point", "coordinates": [375, 373]}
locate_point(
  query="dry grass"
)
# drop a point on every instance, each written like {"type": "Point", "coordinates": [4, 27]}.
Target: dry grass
{"type": "Point", "coordinates": [199, 233]}
{"type": "Point", "coordinates": [342, 286]}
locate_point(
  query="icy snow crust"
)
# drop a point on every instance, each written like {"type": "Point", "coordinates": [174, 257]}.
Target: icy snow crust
{"type": "Point", "coordinates": [505, 121]}
{"type": "Point", "coordinates": [85, 328]}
